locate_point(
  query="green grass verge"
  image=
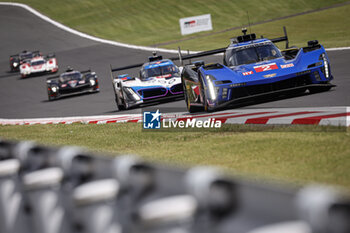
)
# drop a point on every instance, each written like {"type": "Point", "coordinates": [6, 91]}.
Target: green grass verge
{"type": "Point", "coordinates": [155, 21]}
{"type": "Point", "coordinates": [323, 26]}
{"type": "Point", "coordinates": [300, 154]}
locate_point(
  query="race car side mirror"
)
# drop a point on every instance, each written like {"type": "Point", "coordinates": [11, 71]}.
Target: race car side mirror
{"type": "Point", "coordinates": [198, 63]}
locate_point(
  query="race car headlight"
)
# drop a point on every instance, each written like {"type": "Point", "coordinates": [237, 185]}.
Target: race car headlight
{"type": "Point", "coordinates": [211, 87]}
{"type": "Point", "coordinates": [326, 65]}
{"type": "Point", "coordinates": [15, 64]}
{"type": "Point", "coordinates": [224, 93]}
{"type": "Point", "coordinates": [54, 89]}
{"type": "Point", "coordinates": [92, 82]}
{"type": "Point", "coordinates": [131, 92]}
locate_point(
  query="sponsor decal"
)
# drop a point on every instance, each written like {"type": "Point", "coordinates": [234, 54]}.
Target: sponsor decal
{"type": "Point", "coordinates": [195, 89]}
{"type": "Point", "coordinates": [195, 24]}
{"type": "Point", "coordinates": [287, 65]}
{"type": "Point", "coordinates": [72, 83]}
{"type": "Point", "coordinates": [270, 75]}
{"type": "Point", "coordinates": [267, 67]}
{"type": "Point", "coordinates": [247, 73]}
{"type": "Point", "coordinates": [238, 85]}
{"type": "Point", "coordinates": [164, 76]}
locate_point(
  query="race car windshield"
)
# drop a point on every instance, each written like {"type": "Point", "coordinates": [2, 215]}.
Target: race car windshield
{"type": "Point", "coordinates": [70, 76]}
{"type": "Point", "coordinates": [37, 63]}
{"type": "Point", "coordinates": [159, 71]}
{"type": "Point", "coordinates": [252, 54]}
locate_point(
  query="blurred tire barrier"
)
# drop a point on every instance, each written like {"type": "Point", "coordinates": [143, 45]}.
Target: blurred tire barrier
{"type": "Point", "coordinates": [55, 190]}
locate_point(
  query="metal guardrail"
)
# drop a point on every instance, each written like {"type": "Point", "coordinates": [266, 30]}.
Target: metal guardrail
{"type": "Point", "coordinates": [53, 190]}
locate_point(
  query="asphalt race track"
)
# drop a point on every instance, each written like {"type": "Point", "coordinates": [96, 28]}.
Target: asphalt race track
{"type": "Point", "coordinates": [27, 98]}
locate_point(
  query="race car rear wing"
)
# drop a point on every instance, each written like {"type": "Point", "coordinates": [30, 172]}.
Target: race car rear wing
{"type": "Point", "coordinates": [50, 55]}
{"type": "Point", "coordinates": [85, 71]}
{"type": "Point", "coordinates": [57, 76]}
{"type": "Point", "coordinates": [37, 52]}
{"type": "Point", "coordinates": [222, 50]}
{"type": "Point", "coordinates": [126, 67]}
{"type": "Point", "coordinates": [181, 57]}
{"type": "Point", "coordinates": [282, 38]}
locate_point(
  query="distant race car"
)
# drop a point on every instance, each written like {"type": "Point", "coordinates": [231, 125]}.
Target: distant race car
{"type": "Point", "coordinates": [39, 65]}
{"type": "Point", "coordinates": [159, 80]}
{"type": "Point", "coordinates": [71, 82]}
{"type": "Point", "coordinates": [18, 59]}
{"type": "Point", "coordinates": [254, 68]}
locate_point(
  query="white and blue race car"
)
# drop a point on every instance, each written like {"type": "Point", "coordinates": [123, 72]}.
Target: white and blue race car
{"type": "Point", "coordinates": [159, 79]}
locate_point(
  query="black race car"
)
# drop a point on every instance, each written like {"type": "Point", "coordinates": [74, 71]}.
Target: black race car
{"type": "Point", "coordinates": [18, 59]}
{"type": "Point", "coordinates": [71, 82]}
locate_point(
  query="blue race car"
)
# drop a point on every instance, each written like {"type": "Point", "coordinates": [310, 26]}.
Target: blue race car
{"type": "Point", "coordinates": [159, 79]}
{"type": "Point", "coordinates": [254, 68]}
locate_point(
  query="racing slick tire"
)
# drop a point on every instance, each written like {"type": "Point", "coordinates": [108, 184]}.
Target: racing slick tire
{"type": "Point", "coordinates": [51, 98]}
{"type": "Point", "coordinates": [206, 106]}
{"type": "Point", "coordinates": [205, 99]}
{"type": "Point", "coordinates": [190, 108]}
{"type": "Point", "coordinates": [54, 97]}
{"type": "Point", "coordinates": [122, 106]}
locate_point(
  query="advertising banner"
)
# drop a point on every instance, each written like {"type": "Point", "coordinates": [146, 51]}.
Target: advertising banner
{"type": "Point", "coordinates": [195, 24]}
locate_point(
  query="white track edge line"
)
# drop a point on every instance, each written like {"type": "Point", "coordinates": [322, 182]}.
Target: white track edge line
{"type": "Point", "coordinates": [110, 42]}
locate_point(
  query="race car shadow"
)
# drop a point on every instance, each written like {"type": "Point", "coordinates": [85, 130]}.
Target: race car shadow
{"type": "Point", "coordinates": [270, 99]}
{"type": "Point", "coordinates": [153, 103]}
{"type": "Point", "coordinates": [162, 101]}
{"type": "Point", "coordinates": [9, 74]}
{"type": "Point", "coordinates": [70, 96]}
{"type": "Point", "coordinates": [35, 76]}
{"type": "Point", "coordinates": [266, 99]}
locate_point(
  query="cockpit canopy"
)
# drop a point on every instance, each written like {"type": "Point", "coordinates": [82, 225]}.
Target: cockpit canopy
{"type": "Point", "coordinates": [37, 62]}
{"type": "Point", "coordinates": [251, 53]}
{"type": "Point", "coordinates": [75, 75]}
{"type": "Point", "coordinates": [158, 69]}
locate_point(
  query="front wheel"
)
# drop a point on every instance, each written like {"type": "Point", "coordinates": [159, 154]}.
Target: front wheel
{"type": "Point", "coordinates": [51, 98]}
{"type": "Point", "coordinates": [121, 106]}
{"type": "Point", "coordinates": [190, 108]}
